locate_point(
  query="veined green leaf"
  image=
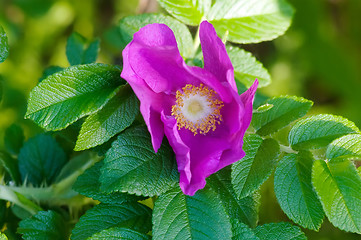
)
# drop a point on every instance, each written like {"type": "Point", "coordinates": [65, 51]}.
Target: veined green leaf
{"type": "Point", "coordinates": [279, 231]}
{"type": "Point", "coordinates": [348, 146]}
{"type": "Point", "coordinates": [178, 216]}
{"type": "Point", "coordinates": [294, 191]}
{"type": "Point", "coordinates": [78, 51]}
{"type": "Point", "coordinates": [43, 226]}
{"type": "Point", "coordinates": [69, 95]}
{"type": "Point", "coordinates": [285, 110]}
{"type": "Point", "coordinates": [338, 185]}
{"type": "Point", "coordinates": [132, 166]}
{"type": "Point", "coordinates": [88, 184]}
{"type": "Point", "coordinates": [104, 216]}
{"type": "Point", "coordinates": [119, 233]}
{"type": "Point", "coordinates": [251, 171]}
{"type": "Point", "coordinates": [114, 117]}
{"type": "Point", "coordinates": [246, 209]}
{"type": "Point", "coordinates": [131, 24]}
{"type": "Point", "coordinates": [247, 68]}
{"type": "Point", "coordinates": [188, 11]}
{"type": "Point", "coordinates": [242, 232]}
{"type": "Point", "coordinates": [250, 21]}
{"type": "Point", "coordinates": [40, 160]}
{"type": "Point", "coordinates": [4, 46]}
{"type": "Point", "coordinates": [319, 130]}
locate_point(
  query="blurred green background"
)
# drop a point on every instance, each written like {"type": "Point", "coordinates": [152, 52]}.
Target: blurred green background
{"type": "Point", "coordinates": [318, 58]}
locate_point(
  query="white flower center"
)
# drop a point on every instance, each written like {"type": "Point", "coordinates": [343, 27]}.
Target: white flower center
{"type": "Point", "coordinates": [197, 109]}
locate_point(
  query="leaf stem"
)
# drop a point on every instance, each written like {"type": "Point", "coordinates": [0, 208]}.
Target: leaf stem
{"type": "Point", "coordinates": [196, 43]}
{"type": "Point", "coordinates": [287, 149]}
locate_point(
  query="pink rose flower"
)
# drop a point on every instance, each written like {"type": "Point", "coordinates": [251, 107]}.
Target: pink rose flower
{"type": "Point", "coordinates": [198, 109]}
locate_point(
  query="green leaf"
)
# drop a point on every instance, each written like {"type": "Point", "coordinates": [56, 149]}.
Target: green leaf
{"type": "Point", "coordinates": [44, 225]}
{"type": "Point", "coordinates": [251, 21]}
{"type": "Point", "coordinates": [348, 146]}
{"type": "Point", "coordinates": [319, 130]}
{"type": "Point", "coordinates": [131, 24]}
{"type": "Point", "coordinates": [78, 51]}
{"type": "Point", "coordinates": [279, 231]}
{"type": "Point", "coordinates": [294, 191]}
{"type": "Point", "coordinates": [114, 117]}
{"type": "Point", "coordinates": [104, 216]}
{"type": "Point", "coordinates": [11, 166]}
{"type": "Point", "coordinates": [250, 172]}
{"type": "Point", "coordinates": [69, 95]}
{"type": "Point", "coordinates": [132, 166]}
{"type": "Point", "coordinates": [246, 209]}
{"type": "Point", "coordinates": [88, 184]}
{"type": "Point", "coordinates": [285, 110]}
{"type": "Point", "coordinates": [178, 216]}
{"type": "Point", "coordinates": [14, 139]}
{"type": "Point", "coordinates": [119, 233]}
{"type": "Point", "coordinates": [190, 12]}
{"type": "Point", "coordinates": [4, 46]}
{"type": "Point", "coordinates": [338, 185]}
{"type": "Point", "coordinates": [242, 232]}
{"type": "Point", "coordinates": [40, 160]}
{"type": "Point", "coordinates": [247, 68]}
{"type": "Point", "coordinates": [3, 236]}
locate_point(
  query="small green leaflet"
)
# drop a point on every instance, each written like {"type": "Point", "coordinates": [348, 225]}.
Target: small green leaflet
{"type": "Point", "coordinates": [270, 231]}
{"type": "Point", "coordinates": [114, 117]}
{"type": "Point", "coordinates": [338, 185]}
{"type": "Point", "coordinates": [69, 95]}
{"type": "Point", "coordinates": [131, 215]}
{"type": "Point", "coordinates": [119, 233]}
{"type": "Point", "coordinates": [246, 209]}
{"type": "Point", "coordinates": [132, 166]}
{"type": "Point", "coordinates": [78, 51]}
{"type": "Point", "coordinates": [180, 217]}
{"type": "Point", "coordinates": [250, 21]}
{"type": "Point", "coordinates": [251, 171]}
{"type": "Point", "coordinates": [247, 68]}
{"type": "Point", "coordinates": [43, 226]}
{"type": "Point", "coordinates": [279, 231]}
{"type": "Point", "coordinates": [348, 146]}
{"type": "Point", "coordinates": [285, 110]}
{"type": "Point", "coordinates": [294, 190]}
{"type": "Point", "coordinates": [4, 46]}
{"type": "Point", "coordinates": [190, 12]}
{"type": "Point", "coordinates": [88, 184]}
{"type": "Point", "coordinates": [242, 232]}
{"type": "Point", "coordinates": [131, 24]}
{"type": "Point", "coordinates": [40, 160]}
{"type": "Point", "coordinates": [319, 130]}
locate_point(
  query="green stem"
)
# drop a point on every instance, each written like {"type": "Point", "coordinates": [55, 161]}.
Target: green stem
{"type": "Point", "coordinates": [57, 194]}
{"type": "Point", "coordinates": [196, 43]}
{"type": "Point", "coordinates": [287, 149]}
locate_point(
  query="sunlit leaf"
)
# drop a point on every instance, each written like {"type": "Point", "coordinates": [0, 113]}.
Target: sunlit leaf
{"type": "Point", "coordinates": [338, 186]}
{"type": "Point", "coordinates": [69, 95]}
{"type": "Point", "coordinates": [250, 21]}
{"type": "Point", "coordinates": [319, 130]}
{"type": "Point", "coordinates": [178, 216]}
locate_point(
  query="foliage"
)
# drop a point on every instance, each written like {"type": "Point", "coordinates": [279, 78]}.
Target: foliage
{"type": "Point", "coordinates": [92, 173]}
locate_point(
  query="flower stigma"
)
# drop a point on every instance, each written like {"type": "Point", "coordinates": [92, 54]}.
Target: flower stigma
{"type": "Point", "coordinates": [197, 109]}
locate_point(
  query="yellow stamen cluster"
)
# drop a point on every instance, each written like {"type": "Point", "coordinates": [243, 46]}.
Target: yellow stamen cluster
{"type": "Point", "coordinates": [195, 106]}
